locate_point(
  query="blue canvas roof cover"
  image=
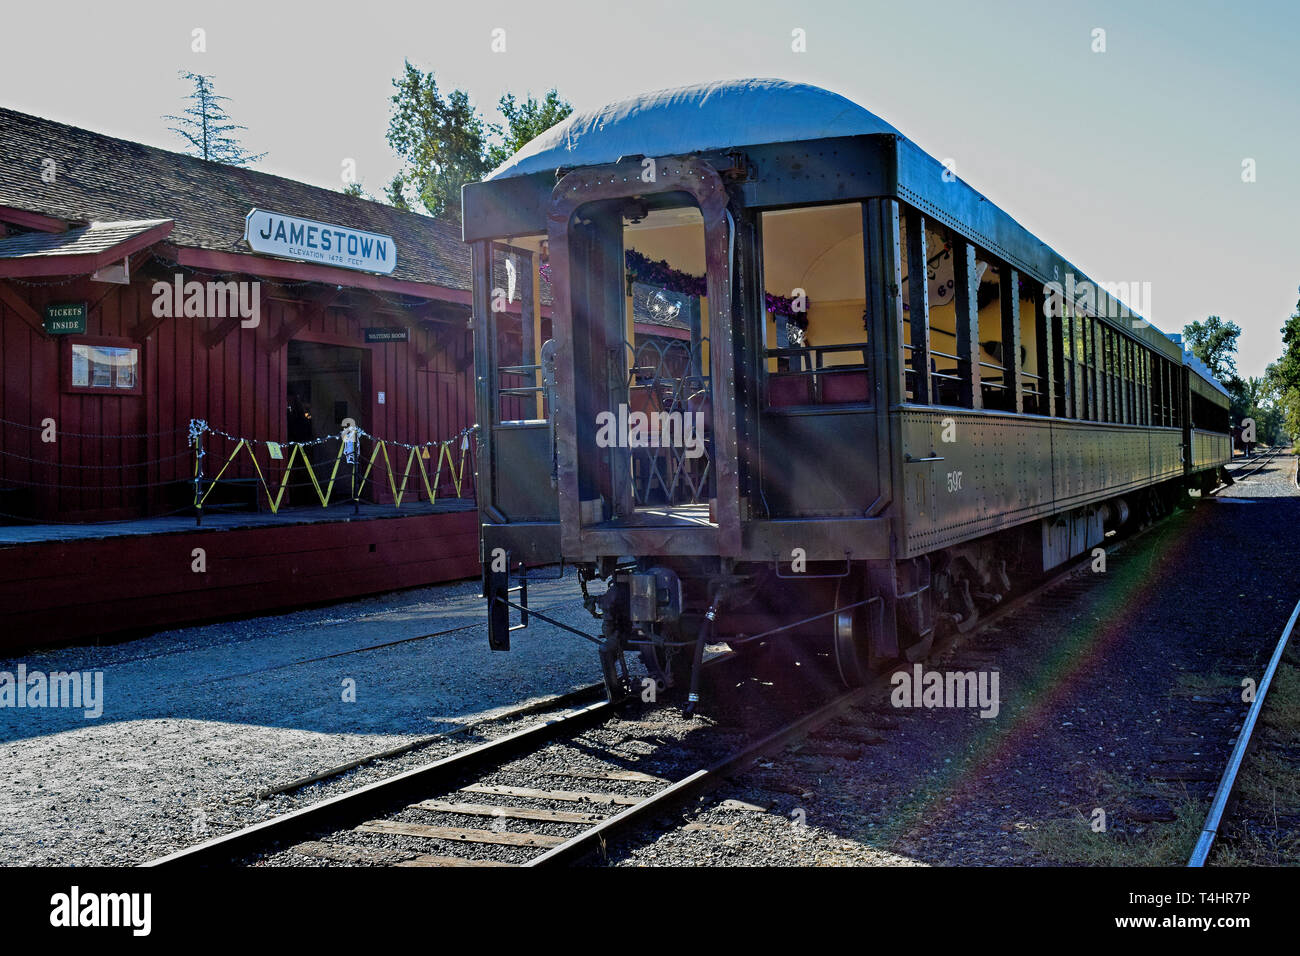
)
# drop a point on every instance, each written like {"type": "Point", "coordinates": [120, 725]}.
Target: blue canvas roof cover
{"type": "Point", "coordinates": [693, 119]}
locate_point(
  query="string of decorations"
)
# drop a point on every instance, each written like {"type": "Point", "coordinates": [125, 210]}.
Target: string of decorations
{"type": "Point", "coordinates": [641, 268]}
{"type": "Point", "coordinates": [41, 285]}
{"type": "Point", "coordinates": [199, 427]}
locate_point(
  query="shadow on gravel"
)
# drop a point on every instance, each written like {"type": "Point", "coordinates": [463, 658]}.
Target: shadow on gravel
{"type": "Point", "coordinates": [322, 671]}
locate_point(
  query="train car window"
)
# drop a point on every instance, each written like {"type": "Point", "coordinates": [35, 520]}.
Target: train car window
{"type": "Point", "coordinates": [1059, 337]}
{"type": "Point", "coordinates": [1112, 374]}
{"type": "Point", "coordinates": [1107, 368]}
{"type": "Point", "coordinates": [1166, 397]}
{"type": "Point", "coordinates": [1078, 401]}
{"type": "Point", "coordinates": [1134, 415]}
{"type": "Point", "coordinates": [1090, 363]}
{"type": "Point", "coordinates": [1126, 360]}
{"type": "Point", "coordinates": [1150, 390]}
{"type": "Point", "coordinates": [1033, 340]}
{"type": "Point", "coordinates": [1170, 393]}
{"type": "Point", "coordinates": [944, 381]}
{"type": "Point", "coordinates": [1107, 365]}
{"type": "Point", "coordinates": [1209, 416]}
{"type": "Point", "coordinates": [521, 284]}
{"type": "Point", "coordinates": [1159, 403]}
{"type": "Point", "coordinates": [1121, 378]}
{"type": "Point", "coordinates": [1143, 360]}
{"type": "Point", "coordinates": [1166, 408]}
{"type": "Point", "coordinates": [1064, 352]}
{"type": "Point", "coordinates": [814, 273]}
{"type": "Point", "coordinates": [1176, 395]}
{"type": "Point", "coordinates": [993, 357]}
{"type": "Point", "coordinates": [1125, 385]}
{"type": "Point", "coordinates": [1130, 359]}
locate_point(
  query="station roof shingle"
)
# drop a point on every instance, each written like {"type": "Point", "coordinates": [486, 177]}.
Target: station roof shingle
{"type": "Point", "coordinates": [101, 179]}
{"type": "Point", "coordinates": [87, 240]}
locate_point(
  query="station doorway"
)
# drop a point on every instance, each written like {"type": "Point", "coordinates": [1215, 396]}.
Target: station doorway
{"type": "Point", "coordinates": [325, 385]}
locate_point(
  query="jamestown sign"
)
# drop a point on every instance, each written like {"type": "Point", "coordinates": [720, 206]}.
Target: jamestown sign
{"type": "Point", "coordinates": [280, 235]}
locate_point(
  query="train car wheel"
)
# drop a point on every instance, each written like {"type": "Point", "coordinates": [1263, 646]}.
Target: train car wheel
{"type": "Point", "coordinates": [851, 632]}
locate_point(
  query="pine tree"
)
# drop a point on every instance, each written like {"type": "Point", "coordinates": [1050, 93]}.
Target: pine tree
{"type": "Point", "coordinates": [207, 129]}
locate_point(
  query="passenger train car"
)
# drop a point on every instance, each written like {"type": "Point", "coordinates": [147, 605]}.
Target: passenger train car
{"type": "Point", "coordinates": [760, 367]}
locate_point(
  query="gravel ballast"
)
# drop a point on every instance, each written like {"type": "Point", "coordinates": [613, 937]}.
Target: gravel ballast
{"type": "Point", "coordinates": [196, 721]}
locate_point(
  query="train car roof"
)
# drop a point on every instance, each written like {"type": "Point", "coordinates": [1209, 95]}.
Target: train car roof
{"type": "Point", "coordinates": [743, 113]}
{"type": "Point", "coordinates": [694, 119]}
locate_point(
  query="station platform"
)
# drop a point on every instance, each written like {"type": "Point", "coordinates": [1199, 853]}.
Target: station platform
{"type": "Point", "coordinates": [66, 584]}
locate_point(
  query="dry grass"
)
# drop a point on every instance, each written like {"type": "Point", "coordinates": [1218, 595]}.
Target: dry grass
{"type": "Point", "coordinates": [1195, 683]}
{"type": "Point", "coordinates": [1073, 842]}
{"type": "Point", "coordinates": [1261, 828]}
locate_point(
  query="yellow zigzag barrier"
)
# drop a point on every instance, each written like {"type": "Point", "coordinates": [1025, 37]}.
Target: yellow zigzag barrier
{"type": "Point", "coordinates": [413, 456]}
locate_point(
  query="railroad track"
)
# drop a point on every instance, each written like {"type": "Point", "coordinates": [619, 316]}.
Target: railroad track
{"type": "Point", "coordinates": [525, 799]}
{"type": "Point", "coordinates": [1223, 794]}
{"type": "Point", "coordinates": [1242, 474]}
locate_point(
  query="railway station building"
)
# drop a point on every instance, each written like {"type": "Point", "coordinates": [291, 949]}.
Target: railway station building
{"type": "Point", "coordinates": [164, 318]}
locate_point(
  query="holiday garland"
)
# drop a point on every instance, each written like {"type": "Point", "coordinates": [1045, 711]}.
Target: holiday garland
{"type": "Point", "coordinates": [643, 269]}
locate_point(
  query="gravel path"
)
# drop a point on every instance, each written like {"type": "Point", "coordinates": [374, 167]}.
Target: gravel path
{"type": "Point", "coordinates": [196, 721]}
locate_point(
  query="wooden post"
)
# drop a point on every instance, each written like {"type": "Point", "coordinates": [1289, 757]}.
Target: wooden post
{"type": "Point", "coordinates": [485, 390]}
{"type": "Point", "coordinates": [918, 305]}
{"type": "Point", "coordinates": [965, 292]}
{"type": "Point", "coordinates": [1009, 293]}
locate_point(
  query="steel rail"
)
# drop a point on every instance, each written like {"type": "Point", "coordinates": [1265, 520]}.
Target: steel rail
{"type": "Point", "coordinates": [580, 696]}
{"type": "Point", "coordinates": [346, 808]}
{"type": "Point", "coordinates": [1221, 796]}
{"type": "Point", "coordinates": [1268, 458]}
{"type": "Point", "coordinates": [589, 840]}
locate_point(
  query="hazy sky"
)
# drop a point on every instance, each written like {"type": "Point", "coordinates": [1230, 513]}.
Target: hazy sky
{"type": "Point", "coordinates": [1128, 162]}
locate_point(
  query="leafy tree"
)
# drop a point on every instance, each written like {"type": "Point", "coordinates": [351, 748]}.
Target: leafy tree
{"type": "Point", "coordinates": [1254, 398]}
{"type": "Point", "coordinates": [1214, 342]}
{"type": "Point", "coordinates": [206, 128]}
{"type": "Point", "coordinates": [1284, 375]}
{"type": "Point", "coordinates": [442, 141]}
{"type": "Point", "coordinates": [525, 121]}
{"type": "Point", "coordinates": [1285, 372]}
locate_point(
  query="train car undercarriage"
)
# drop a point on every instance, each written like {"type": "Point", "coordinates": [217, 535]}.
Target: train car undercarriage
{"type": "Point", "coordinates": [865, 615]}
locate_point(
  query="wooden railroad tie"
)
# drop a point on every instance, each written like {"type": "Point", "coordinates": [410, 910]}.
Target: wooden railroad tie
{"type": "Point", "coordinates": [569, 796]}
{"type": "Point", "coordinates": [458, 834]}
